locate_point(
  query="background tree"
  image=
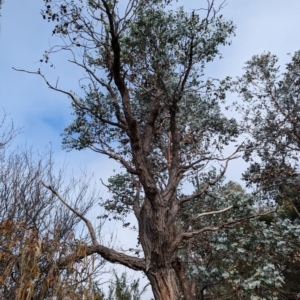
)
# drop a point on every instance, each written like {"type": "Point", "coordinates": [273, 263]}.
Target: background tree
{"type": "Point", "coordinates": [271, 121]}
{"type": "Point", "coordinates": [147, 105]}
{"type": "Point", "coordinates": [37, 232]}
{"type": "Point", "coordinates": [122, 289]}
{"type": "Point", "coordinates": [247, 260]}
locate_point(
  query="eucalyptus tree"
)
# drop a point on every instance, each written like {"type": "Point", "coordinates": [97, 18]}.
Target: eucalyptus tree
{"type": "Point", "coordinates": [146, 103]}
{"type": "Point", "coordinates": [272, 122]}
{"type": "Point", "coordinates": [251, 260]}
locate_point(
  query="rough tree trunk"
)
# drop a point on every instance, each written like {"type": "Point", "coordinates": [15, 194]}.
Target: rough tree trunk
{"type": "Point", "coordinates": [164, 271]}
{"type": "Point", "coordinates": [165, 285]}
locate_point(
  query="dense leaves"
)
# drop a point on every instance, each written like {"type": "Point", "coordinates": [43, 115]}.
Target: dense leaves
{"type": "Point", "coordinates": [155, 60]}
{"type": "Point", "coordinates": [271, 122]}
{"type": "Point", "coordinates": [247, 260]}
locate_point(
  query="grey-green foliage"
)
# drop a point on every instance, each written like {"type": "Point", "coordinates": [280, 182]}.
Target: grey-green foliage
{"type": "Point", "coordinates": [272, 123]}
{"type": "Point", "coordinates": [122, 289]}
{"type": "Point", "coordinates": [119, 206]}
{"type": "Point", "coordinates": [272, 117]}
{"type": "Point", "coordinates": [155, 48]}
{"type": "Point", "coordinates": [247, 261]}
{"type": "Point", "coordinates": [271, 106]}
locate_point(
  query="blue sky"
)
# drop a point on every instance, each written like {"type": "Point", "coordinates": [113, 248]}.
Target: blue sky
{"type": "Point", "coordinates": [262, 25]}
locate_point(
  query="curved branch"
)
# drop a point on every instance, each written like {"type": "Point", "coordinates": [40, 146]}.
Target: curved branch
{"type": "Point", "coordinates": [55, 88]}
{"type": "Point", "coordinates": [85, 220]}
{"type": "Point", "coordinates": [230, 225]}
{"type": "Point", "coordinates": [108, 254]}
{"type": "Point", "coordinates": [207, 185]}
{"type": "Point", "coordinates": [194, 218]}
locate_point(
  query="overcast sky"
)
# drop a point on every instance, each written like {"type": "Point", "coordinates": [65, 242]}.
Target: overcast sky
{"type": "Point", "coordinates": [262, 25]}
